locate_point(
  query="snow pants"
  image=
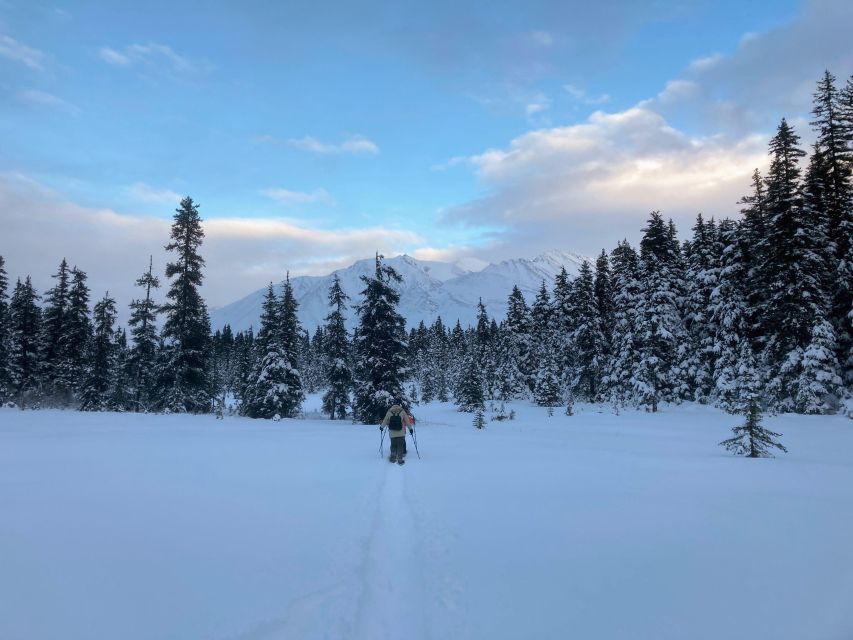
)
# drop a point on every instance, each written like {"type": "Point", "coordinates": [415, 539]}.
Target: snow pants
{"type": "Point", "coordinates": [398, 446]}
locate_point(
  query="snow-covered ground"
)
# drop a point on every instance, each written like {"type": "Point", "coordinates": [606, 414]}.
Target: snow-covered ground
{"type": "Point", "coordinates": [594, 526]}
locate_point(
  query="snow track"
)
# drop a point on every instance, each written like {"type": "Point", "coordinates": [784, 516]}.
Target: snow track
{"type": "Point", "coordinates": [391, 601]}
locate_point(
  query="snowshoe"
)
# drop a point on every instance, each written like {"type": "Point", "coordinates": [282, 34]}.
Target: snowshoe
{"type": "Point", "coordinates": [392, 459]}
{"type": "Point", "coordinates": [401, 460]}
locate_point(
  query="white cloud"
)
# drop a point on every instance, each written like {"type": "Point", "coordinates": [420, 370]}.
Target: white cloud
{"type": "Point", "coordinates": [581, 95]}
{"type": "Point", "coordinates": [241, 253]}
{"type": "Point", "coordinates": [355, 144]}
{"type": "Point", "coordinates": [112, 56]}
{"type": "Point", "coordinates": [19, 52]}
{"type": "Point", "coordinates": [43, 99]}
{"type": "Point", "coordinates": [290, 198]}
{"type": "Point", "coordinates": [147, 193]}
{"type": "Point", "coordinates": [587, 185]}
{"type": "Point", "coordinates": [150, 55]}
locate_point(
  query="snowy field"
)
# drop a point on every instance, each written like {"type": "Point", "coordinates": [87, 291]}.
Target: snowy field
{"type": "Point", "coordinates": [593, 526]}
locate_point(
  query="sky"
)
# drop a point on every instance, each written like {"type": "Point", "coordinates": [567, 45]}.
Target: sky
{"type": "Point", "coordinates": [315, 133]}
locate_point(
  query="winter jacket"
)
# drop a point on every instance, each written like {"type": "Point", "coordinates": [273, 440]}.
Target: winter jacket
{"type": "Point", "coordinates": [407, 421]}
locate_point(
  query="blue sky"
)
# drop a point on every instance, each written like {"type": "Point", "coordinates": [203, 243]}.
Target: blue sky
{"type": "Point", "coordinates": [317, 132]}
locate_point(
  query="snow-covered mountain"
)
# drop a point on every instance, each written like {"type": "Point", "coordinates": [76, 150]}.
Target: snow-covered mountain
{"type": "Point", "coordinates": [429, 289]}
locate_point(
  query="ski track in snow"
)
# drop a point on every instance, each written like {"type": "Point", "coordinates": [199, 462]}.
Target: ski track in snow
{"type": "Point", "coordinates": [391, 603]}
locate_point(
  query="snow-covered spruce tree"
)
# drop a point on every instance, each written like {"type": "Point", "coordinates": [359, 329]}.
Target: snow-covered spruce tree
{"type": "Point", "coordinates": [587, 338]}
{"type": "Point", "coordinates": [563, 323]}
{"type": "Point", "coordinates": [517, 368]}
{"type": "Point", "coordinates": [121, 389]}
{"type": "Point", "coordinates": [380, 345]}
{"type": "Point", "coordinates": [484, 340]}
{"type": "Point", "coordinates": [833, 124]}
{"type": "Point", "coordinates": [794, 272]}
{"type": "Point", "coordinates": [548, 391]}
{"type": "Point", "coordinates": [702, 275]}
{"type": "Point", "coordinates": [24, 332]}
{"type": "Point", "coordinates": [618, 381]}
{"type": "Point", "coordinates": [54, 339]}
{"type": "Point", "coordinates": [289, 333]}
{"type": "Point", "coordinates": [336, 400]}
{"type": "Point", "coordinates": [143, 331]}
{"type": "Point", "coordinates": [469, 396]}
{"type": "Point", "coordinates": [751, 439]}
{"type": "Point", "coordinates": [187, 325]}
{"type": "Point", "coordinates": [101, 372]}
{"type": "Point", "coordinates": [5, 366]}
{"type": "Point", "coordinates": [753, 235]}
{"type": "Point", "coordinates": [541, 325]}
{"type": "Point", "coordinates": [440, 357]}
{"type": "Point", "coordinates": [78, 330]}
{"type": "Point", "coordinates": [604, 299]}
{"type": "Point", "coordinates": [275, 387]}
{"type": "Point", "coordinates": [819, 387]}
{"type": "Point", "coordinates": [729, 318]}
{"type": "Point", "coordinates": [479, 419]}
{"type": "Point", "coordinates": [659, 326]}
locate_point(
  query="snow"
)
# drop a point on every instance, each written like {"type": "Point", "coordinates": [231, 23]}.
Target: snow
{"type": "Point", "coordinates": [635, 526]}
{"type": "Point", "coordinates": [429, 289]}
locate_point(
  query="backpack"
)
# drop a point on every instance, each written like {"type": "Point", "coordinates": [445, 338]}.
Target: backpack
{"type": "Point", "coordinates": [396, 422]}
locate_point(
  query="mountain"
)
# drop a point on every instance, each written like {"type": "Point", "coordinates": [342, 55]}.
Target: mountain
{"type": "Point", "coordinates": [429, 289]}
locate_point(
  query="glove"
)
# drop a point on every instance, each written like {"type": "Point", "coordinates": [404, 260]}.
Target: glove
{"type": "Point", "coordinates": [412, 431]}
{"type": "Point", "coordinates": [381, 428]}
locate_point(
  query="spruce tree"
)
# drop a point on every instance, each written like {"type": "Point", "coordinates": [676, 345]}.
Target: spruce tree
{"type": "Point", "coordinates": [619, 379]}
{"type": "Point", "coordinates": [659, 328]}
{"type": "Point", "coordinates": [604, 299]}
{"type": "Point", "coordinates": [587, 338]}
{"type": "Point", "coordinates": [380, 345]}
{"type": "Point", "coordinates": [24, 333]}
{"type": "Point", "coordinates": [143, 330]}
{"type": "Point", "coordinates": [96, 394]}
{"type": "Point", "coordinates": [833, 123]}
{"type": "Point", "coordinates": [55, 387]}
{"type": "Point", "coordinates": [548, 389]}
{"type": "Point", "coordinates": [187, 325]}
{"type": "Point", "coordinates": [729, 315]}
{"type": "Point", "coordinates": [469, 396]}
{"type": "Point", "coordinates": [751, 439]}
{"type": "Point", "coordinates": [78, 330]}
{"type": "Point", "coordinates": [517, 368]}
{"type": "Point", "coordinates": [336, 400]}
{"type": "Point", "coordinates": [794, 274]}
{"type": "Point", "coordinates": [5, 364]}
{"type": "Point", "coordinates": [702, 279]}
{"type": "Point", "coordinates": [289, 334]}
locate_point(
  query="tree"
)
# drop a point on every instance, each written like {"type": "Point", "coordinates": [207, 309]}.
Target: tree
{"type": "Point", "coordinates": [469, 396]}
{"type": "Point", "coordinates": [143, 330]}
{"type": "Point", "coordinates": [547, 392]}
{"type": "Point", "coordinates": [336, 400]}
{"type": "Point", "coordinates": [24, 332]}
{"type": "Point", "coordinates": [380, 345]}
{"type": "Point", "coordinates": [187, 325]}
{"type": "Point", "coordinates": [587, 337]}
{"type": "Point", "coordinates": [56, 387]}
{"type": "Point", "coordinates": [78, 330]}
{"type": "Point", "coordinates": [5, 364]}
{"type": "Point", "coordinates": [619, 379]}
{"type": "Point", "coordinates": [102, 367]}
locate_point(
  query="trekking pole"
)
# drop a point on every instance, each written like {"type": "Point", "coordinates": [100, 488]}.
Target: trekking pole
{"type": "Point", "coordinates": [381, 440]}
{"type": "Point", "coordinates": [415, 439]}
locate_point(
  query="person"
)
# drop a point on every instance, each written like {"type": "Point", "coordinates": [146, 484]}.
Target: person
{"type": "Point", "coordinates": [397, 420]}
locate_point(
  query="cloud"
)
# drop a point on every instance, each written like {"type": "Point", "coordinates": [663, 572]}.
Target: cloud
{"type": "Point", "coordinates": [151, 55]}
{"type": "Point", "coordinates": [40, 227]}
{"type": "Point", "coordinates": [19, 52]}
{"type": "Point", "coordinates": [291, 198]}
{"type": "Point", "coordinates": [147, 193]}
{"type": "Point", "coordinates": [589, 184]}
{"type": "Point", "coordinates": [43, 99]}
{"type": "Point", "coordinates": [581, 95]}
{"type": "Point", "coordinates": [354, 144]}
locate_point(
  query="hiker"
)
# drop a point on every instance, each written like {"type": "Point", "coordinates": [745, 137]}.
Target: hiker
{"type": "Point", "coordinates": [397, 420]}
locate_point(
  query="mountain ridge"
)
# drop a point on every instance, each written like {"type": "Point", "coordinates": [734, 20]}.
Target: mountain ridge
{"type": "Point", "coordinates": [430, 288]}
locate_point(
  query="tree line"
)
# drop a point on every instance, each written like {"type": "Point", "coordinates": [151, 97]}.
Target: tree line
{"type": "Point", "coordinates": [758, 307]}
